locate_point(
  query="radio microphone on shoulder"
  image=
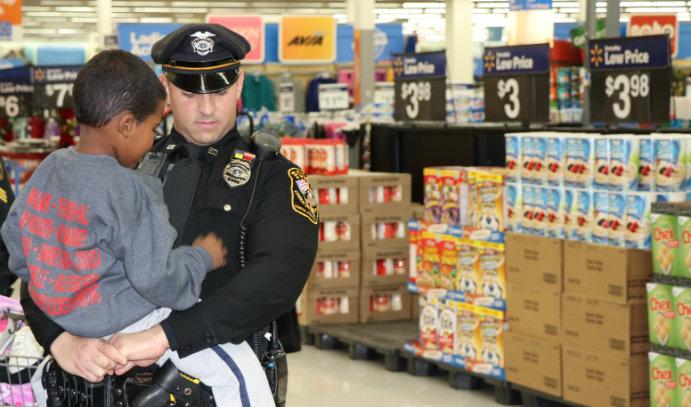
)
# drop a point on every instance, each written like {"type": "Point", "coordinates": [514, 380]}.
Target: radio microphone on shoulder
{"type": "Point", "coordinates": [268, 144]}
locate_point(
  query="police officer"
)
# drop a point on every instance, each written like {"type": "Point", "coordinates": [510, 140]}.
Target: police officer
{"type": "Point", "coordinates": [258, 202]}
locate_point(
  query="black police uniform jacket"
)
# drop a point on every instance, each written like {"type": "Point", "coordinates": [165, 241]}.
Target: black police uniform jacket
{"type": "Point", "coordinates": [282, 242]}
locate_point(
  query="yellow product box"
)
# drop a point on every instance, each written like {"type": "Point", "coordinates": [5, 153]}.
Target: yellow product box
{"type": "Point", "coordinates": [490, 199]}
{"type": "Point", "coordinates": [468, 262]}
{"type": "Point", "coordinates": [491, 273]}
{"type": "Point", "coordinates": [661, 313]}
{"type": "Point", "coordinates": [665, 243]}
{"type": "Point", "coordinates": [489, 342]}
{"type": "Point", "coordinates": [447, 329]}
{"type": "Point", "coordinates": [432, 195]}
{"type": "Point", "coordinates": [663, 380]}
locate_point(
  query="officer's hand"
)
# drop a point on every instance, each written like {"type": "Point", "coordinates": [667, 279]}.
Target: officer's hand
{"type": "Point", "coordinates": [214, 245]}
{"type": "Point", "coordinates": [140, 348]}
{"type": "Point", "coordinates": [90, 358]}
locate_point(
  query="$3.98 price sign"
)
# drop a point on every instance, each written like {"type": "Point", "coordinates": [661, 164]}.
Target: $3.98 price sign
{"type": "Point", "coordinates": [422, 99]}
{"type": "Point", "coordinates": [628, 96]}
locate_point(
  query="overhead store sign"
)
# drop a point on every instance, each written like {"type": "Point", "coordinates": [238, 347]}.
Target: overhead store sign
{"type": "Point", "coordinates": [306, 39]}
{"type": "Point", "coordinates": [250, 27]}
{"type": "Point", "coordinates": [523, 5]}
{"type": "Point", "coordinates": [656, 24]}
{"type": "Point", "coordinates": [10, 17]}
{"type": "Point", "coordinates": [420, 86]}
{"type": "Point", "coordinates": [516, 83]}
{"type": "Point", "coordinates": [624, 72]}
{"type": "Point", "coordinates": [139, 38]}
{"type": "Point", "coordinates": [388, 39]}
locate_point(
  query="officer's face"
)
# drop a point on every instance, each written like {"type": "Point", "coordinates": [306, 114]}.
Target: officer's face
{"type": "Point", "coordinates": [203, 119]}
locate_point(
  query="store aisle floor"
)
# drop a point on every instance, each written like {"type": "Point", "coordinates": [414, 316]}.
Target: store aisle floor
{"type": "Point", "coordinates": [328, 378]}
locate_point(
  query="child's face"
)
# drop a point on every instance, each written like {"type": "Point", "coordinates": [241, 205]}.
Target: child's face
{"type": "Point", "coordinates": [141, 139]}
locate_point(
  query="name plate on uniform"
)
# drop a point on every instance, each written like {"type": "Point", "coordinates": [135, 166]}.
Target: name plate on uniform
{"type": "Point", "coordinates": [516, 83]}
{"type": "Point", "coordinates": [623, 72]}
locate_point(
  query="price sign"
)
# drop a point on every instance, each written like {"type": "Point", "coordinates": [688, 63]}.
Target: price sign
{"type": "Point", "coordinates": [516, 83]}
{"type": "Point", "coordinates": [286, 97]}
{"type": "Point", "coordinates": [333, 96]}
{"type": "Point", "coordinates": [624, 71]}
{"type": "Point", "coordinates": [15, 93]}
{"type": "Point", "coordinates": [53, 86]}
{"type": "Point", "coordinates": [420, 86]}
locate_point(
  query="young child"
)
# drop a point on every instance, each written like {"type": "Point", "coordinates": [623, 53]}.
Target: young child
{"type": "Point", "coordinates": [91, 236]}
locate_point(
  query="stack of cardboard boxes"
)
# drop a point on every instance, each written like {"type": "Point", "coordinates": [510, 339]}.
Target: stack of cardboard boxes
{"type": "Point", "coordinates": [361, 267]}
{"type": "Point", "coordinates": [575, 318]}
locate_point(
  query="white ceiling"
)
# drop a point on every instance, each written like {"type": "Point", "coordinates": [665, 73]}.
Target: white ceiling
{"type": "Point", "coordinates": [65, 21]}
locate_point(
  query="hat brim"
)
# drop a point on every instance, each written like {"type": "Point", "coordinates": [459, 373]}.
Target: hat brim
{"type": "Point", "coordinates": [205, 82]}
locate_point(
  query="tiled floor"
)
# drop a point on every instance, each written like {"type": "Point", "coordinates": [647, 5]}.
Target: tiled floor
{"type": "Point", "coordinates": [330, 378]}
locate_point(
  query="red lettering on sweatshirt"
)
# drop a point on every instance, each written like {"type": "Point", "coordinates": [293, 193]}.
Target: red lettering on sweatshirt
{"type": "Point", "coordinates": [73, 211]}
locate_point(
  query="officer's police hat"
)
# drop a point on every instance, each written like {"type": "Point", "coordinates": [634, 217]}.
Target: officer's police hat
{"type": "Point", "coordinates": [201, 58]}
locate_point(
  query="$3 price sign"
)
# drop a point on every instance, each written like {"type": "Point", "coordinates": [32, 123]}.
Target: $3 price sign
{"type": "Point", "coordinates": [623, 90]}
{"type": "Point", "coordinates": [512, 105]}
{"type": "Point", "coordinates": [413, 93]}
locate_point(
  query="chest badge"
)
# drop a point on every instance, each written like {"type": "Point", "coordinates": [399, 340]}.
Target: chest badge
{"type": "Point", "coordinates": [237, 173]}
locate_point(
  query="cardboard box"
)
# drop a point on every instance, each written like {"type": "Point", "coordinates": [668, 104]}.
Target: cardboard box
{"type": "Point", "coordinates": [336, 194]}
{"type": "Point", "coordinates": [338, 233]}
{"type": "Point", "coordinates": [534, 260]}
{"type": "Point", "coordinates": [594, 379]}
{"type": "Point", "coordinates": [385, 229]}
{"type": "Point", "coordinates": [619, 330]}
{"type": "Point", "coordinates": [383, 191]}
{"type": "Point", "coordinates": [533, 363]}
{"type": "Point", "coordinates": [384, 303]}
{"type": "Point", "coordinates": [329, 306]}
{"type": "Point", "coordinates": [609, 272]}
{"type": "Point", "coordinates": [335, 269]}
{"type": "Point", "coordinates": [534, 311]}
{"type": "Point", "coordinates": [385, 266]}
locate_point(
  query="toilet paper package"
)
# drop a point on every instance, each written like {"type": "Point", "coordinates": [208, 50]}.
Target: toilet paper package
{"type": "Point", "coordinates": [623, 169]}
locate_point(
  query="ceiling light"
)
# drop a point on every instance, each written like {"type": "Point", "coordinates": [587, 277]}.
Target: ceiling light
{"type": "Point", "coordinates": [424, 5]}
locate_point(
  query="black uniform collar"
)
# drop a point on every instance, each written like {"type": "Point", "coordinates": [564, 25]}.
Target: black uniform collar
{"type": "Point", "coordinates": [177, 145]}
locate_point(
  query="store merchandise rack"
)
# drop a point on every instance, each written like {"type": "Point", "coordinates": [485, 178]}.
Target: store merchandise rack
{"type": "Point", "coordinates": [372, 340]}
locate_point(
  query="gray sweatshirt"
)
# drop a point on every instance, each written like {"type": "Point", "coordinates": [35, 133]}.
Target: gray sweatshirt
{"type": "Point", "coordinates": [93, 241]}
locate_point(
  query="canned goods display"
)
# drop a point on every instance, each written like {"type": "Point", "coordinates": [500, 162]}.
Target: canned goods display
{"type": "Point", "coordinates": [343, 268]}
{"type": "Point", "coordinates": [380, 303]}
{"type": "Point", "coordinates": [389, 230]}
{"type": "Point", "coordinates": [383, 194]}
{"type": "Point", "coordinates": [384, 267]}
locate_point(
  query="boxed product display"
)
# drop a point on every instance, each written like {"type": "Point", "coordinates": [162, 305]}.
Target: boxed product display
{"type": "Point", "coordinates": [602, 162]}
{"type": "Point", "coordinates": [384, 303]}
{"type": "Point", "coordinates": [534, 363]}
{"type": "Point", "coordinates": [383, 191]}
{"type": "Point", "coordinates": [604, 326]}
{"type": "Point", "coordinates": [336, 195]}
{"type": "Point", "coordinates": [556, 158]}
{"type": "Point", "coordinates": [428, 322]}
{"type": "Point", "coordinates": [432, 196]}
{"type": "Point", "coordinates": [334, 269]}
{"type": "Point", "coordinates": [534, 259]}
{"type": "Point", "coordinates": [488, 342]}
{"type": "Point", "coordinates": [680, 330]}
{"type": "Point", "coordinates": [328, 306]}
{"type": "Point", "coordinates": [609, 272]}
{"type": "Point", "coordinates": [670, 165]}
{"type": "Point", "coordinates": [385, 229]}
{"type": "Point", "coordinates": [339, 232]}
{"type": "Point", "coordinates": [638, 221]}
{"type": "Point", "coordinates": [534, 311]}
{"type": "Point", "coordinates": [663, 380]}
{"type": "Point", "coordinates": [447, 329]}
{"type": "Point", "coordinates": [514, 206]}
{"type": "Point", "coordinates": [661, 313]}
{"type": "Point", "coordinates": [624, 162]}
{"type": "Point", "coordinates": [454, 194]}
{"type": "Point", "coordinates": [513, 157]}
{"type": "Point", "coordinates": [683, 382]}
{"type": "Point", "coordinates": [385, 266]}
{"type": "Point", "coordinates": [665, 243]}
{"type": "Point", "coordinates": [596, 379]}
{"type": "Point", "coordinates": [580, 161]}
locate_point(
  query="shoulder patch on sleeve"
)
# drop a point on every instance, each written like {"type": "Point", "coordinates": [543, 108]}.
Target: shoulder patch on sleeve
{"type": "Point", "coordinates": [301, 196]}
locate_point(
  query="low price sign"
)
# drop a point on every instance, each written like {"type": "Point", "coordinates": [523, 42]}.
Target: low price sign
{"type": "Point", "coordinates": [420, 86]}
{"type": "Point", "coordinates": [624, 72]}
{"type": "Point", "coordinates": [53, 86]}
{"type": "Point", "coordinates": [16, 93]}
{"type": "Point", "coordinates": [516, 83]}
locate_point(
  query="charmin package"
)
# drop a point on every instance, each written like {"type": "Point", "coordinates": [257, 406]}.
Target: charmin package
{"type": "Point", "coordinates": [556, 212]}
{"type": "Point", "coordinates": [602, 160]}
{"type": "Point", "coordinates": [556, 159]}
{"type": "Point", "coordinates": [580, 161]}
{"type": "Point", "coordinates": [513, 194]}
{"type": "Point", "coordinates": [513, 157]}
{"type": "Point", "coordinates": [570, 214]}
{"type": "Point", "coordinates": [646, 164]}
{"type": "Point", "coordinates": [600, 229]}
{"type": "Point", "coordinates": [638, 219]}
{"type": "Point", "coordinates": [527, 213]}
{"type": "Point", "coordinates": [584, 215]}
{"type": "Point", "coordinates": [670, 162]}
{"type": "Point", "coordinates": [617, 218]}
{"type": "Point", "coordinates": [526, 156]}
{"type": "Point", "coordinates": [540, 223]}
{"type": "Point", "coordinates": [623, 169]}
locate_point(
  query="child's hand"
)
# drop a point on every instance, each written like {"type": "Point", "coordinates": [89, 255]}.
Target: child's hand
{"type": "Point", "coordinates": [214, 245]}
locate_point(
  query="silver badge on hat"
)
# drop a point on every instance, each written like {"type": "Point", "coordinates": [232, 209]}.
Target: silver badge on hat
{"type": "Point", "coordinates": [202, 42]}
{"type": "Point", "coordinates": [237, 172]}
